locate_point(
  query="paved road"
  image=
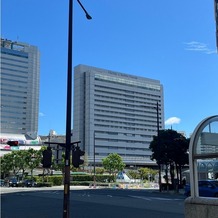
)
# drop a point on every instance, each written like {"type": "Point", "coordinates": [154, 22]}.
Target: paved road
{"type": "Point", "coordinates": [90, 203]}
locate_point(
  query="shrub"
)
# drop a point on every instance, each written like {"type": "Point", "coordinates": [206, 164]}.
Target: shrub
{"type": "Point", "coordinates": [44, 184]}
{"type": "Point", "coordinates": [99, 170]}
{"type": "Point", "coordinates": [99, 178]}
{"type": "Point", "coordinates": [75, 179]}
{"type": "Point", "coordinates": [55, 180]}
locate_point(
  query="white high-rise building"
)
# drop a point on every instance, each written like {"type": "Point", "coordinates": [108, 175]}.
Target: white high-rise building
{"type": "Point", "coordinates": [116, 113]}
{"type": "Point", "coordinates": [19, 79]}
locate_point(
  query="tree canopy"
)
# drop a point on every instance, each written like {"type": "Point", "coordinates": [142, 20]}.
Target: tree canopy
{"type": "Point", "coordinates": [170, 149]}
{"type": "Point", "coordinates": [113, 163]}
{"type": "Point", "coordinates": [20, 161]}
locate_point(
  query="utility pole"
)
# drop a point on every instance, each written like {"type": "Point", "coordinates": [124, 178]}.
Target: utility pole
{"type": "Point", "coordinates": [94, 161]}
{"type": "Point", "coordinates": [66, 204]}
{"type": "Point", "coordinates": [158, 141]}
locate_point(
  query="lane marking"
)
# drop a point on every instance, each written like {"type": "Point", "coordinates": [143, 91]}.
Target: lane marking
{"type": "Point", "coordinates": [155, 198]}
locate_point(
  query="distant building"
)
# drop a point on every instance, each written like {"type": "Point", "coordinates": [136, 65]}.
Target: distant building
{"type": "Point", "coordinates": [53, 137]}
{"type": "Point", "coordinates": [19, 80]}
{"type": "Point", "coordinates": [24, 142]}
{"type": "Point", "coordinates": [116, 113]}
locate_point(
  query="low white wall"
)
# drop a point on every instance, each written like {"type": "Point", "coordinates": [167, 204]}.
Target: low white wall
{"type": "Point", "coordinates": [200, 207]}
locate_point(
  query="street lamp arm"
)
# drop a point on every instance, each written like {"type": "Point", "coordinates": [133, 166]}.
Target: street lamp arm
{"type": "Point", "coordinates": [87, 14]}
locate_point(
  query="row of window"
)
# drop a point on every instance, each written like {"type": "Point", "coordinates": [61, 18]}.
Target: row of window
{"type": "Point", "coordinates": [15, 102]}
{"type": "Point", "coordinates": [13, 70]}
{"type": "Point", "coordinates": [12, 112]}
{"type": "Point", "coordinates": [98, 133]}
{"type": "Point", "coordinates": [127, 82]}
{"type": "Point", "coordinates": [148, 106]}
{"type": "Point", "coordinates": [120, 108]}
{"type": "Point", "coordinates": [14, 53]}
{"type": "Point", "coordinates": [126, 128]}
{"type": "Point", "coordinates": [134, 102]}
{"type": "Point", "coordinates": [126, 123]}
{"type": "Point", "coordinates": [14, 60]}
{"type": "Point", "coordinates": [14, 80]}
{"type": "Point", "coordinates": [122, 141]}
{"type": "Point", "coordinates": [123, 118]}
{"type": "Point", "coordinates": [13, 117]}
{"type": "Point", "coordinates": [124, 92]}
{"type": "Point", "coordinates": [132, 156]}
{"type": "Point", "coordinates": [17, 91]}
{"type": "Point", "coordinates": [128, 114]}
{"type": "Point", "coordinates": [13, 96]}
{"type": "Point", "coordinates": [13, 129]}
{"type": "Point", "coordinates": [14, 65]}
{"type": "Point", "coordinates": [12, 122]}
{"type": "Point", "coordinates": [18, 76]}
{"type": "Point", "coordinates": [122, 148]}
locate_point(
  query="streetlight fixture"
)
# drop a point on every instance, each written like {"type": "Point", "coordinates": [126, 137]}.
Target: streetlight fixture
{"type": "Point", "coordinates": [87, 14]}
{"type": "Point", "coordinates": [66, 203]}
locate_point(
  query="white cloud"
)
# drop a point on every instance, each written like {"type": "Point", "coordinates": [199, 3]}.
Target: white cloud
{"type": "Point", "coordinates": [172, 120]}
{"type": "Point", "coordinates": [41, 114]}
{"type": "Point", "coordinates": [199, 47]}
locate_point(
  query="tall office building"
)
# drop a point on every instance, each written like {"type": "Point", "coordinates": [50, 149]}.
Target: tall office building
{"type": "Point", "coordinates": [19, 79]}
{"type": "Point", "coordinates": [116, 113]}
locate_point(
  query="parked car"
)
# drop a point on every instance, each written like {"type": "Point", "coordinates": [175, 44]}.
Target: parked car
{"type": "Point", "coordinates": [2, 182]}
{"type": "Point", "coordinates": [207, 188]}
{"type": "Point", "coordinates": [13, 182]}
{"type": "Point", "coordinates": [29, 183]}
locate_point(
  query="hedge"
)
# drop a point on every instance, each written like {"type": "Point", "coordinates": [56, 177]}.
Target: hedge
{"type": "Point", "coordinates": [75, 179]}
{"type": "Point", "coordinates": [53, 180]}
{"type": "Point", "coordinates": [98, 178]}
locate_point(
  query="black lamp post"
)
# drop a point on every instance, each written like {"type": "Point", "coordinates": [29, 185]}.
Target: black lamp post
{"type": "Point", "coordinates": [66, 205]}
{"type": "Point", "coordinates": [94, 162]}
{"type": "Point", "coordinates": [158, 141]}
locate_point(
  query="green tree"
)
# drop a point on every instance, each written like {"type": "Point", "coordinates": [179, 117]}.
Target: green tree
{"type": "Point", "coordinates": [20, 161]}
{"type": "Point", "coordinates": [170, 149]}
{"type": "Point", "coordinates": [34, 159]}
{"type": "Point", "coordinates": [99, 171]}
{"type": "Point", "coordinates": [86, 161]}
{"type": "Point", "coordinates": [113, 163]}
{"type": "Point", "coordinates": [181, 155]}
{"type": "Point", "coordinates": [60, 165]}
{"type": "Point", "coordinates": [147, 173]}
{"type": "Point", "coordinates": [6, 165]}
{"type": "Point", "coordinates": [14, 161]}
{"type": "Point", "coordinates": [133, 174]}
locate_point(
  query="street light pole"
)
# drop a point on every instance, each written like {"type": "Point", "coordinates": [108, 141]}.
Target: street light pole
{"type": "Point", "coordinates": [94, 161]}
{"type": "Point", "coordinates": [158, 139]}
{"type": "Point", "coordinates": [66, 204]}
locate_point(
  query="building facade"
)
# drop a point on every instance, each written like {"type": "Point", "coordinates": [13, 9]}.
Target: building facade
{"type": "Point", "coordinates": [116, 113]}
{"type": "Point", "coordinates": [19, 79]}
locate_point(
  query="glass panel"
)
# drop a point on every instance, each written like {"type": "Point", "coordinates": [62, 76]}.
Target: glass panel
{"type": "Point", "coordinates": [208, 140]}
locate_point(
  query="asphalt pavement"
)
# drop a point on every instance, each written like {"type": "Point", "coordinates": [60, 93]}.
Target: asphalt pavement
{"type": "Point", "coordinates": [88, 202]}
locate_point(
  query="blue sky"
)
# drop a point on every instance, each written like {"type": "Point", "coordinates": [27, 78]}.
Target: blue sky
{"type": "Point", "coordinates": [171, 41]}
